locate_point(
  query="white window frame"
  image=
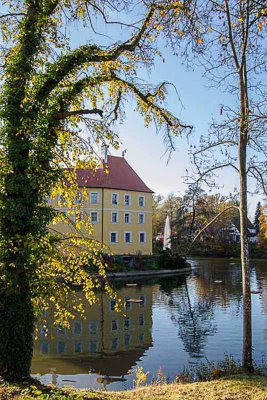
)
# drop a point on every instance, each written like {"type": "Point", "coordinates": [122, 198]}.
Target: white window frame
{"type": "Point", "coordinates": [130, 338]}
{"type": "Point", "coordinates": [79, 199]}
{"type": "Point", "coordinates": [73, 328]}
{"type": "Point", "coordinates": [81, 348]}
{"type": "Point", "coordinates": [111, 200]}
{"type": "Point", "coordinates": [144, 237]}
{"type": "Point", "coordinates": [95, 341]}
{"type": "Point", "coordinates": [144, 202]}
{"type": "Point", "coordinates": [110, 308]}
{"type": "Point", "coordinates": [144, 220]}
{"type": "Point", "coordinates": [48, 347]}
{"type": "Point", "coordinates": [97, 219]}
{"type": "Point", "coordinates": [114, 212]}
{"type": "Point", "coordinates": [130, 218]}
{"type": "Point", "coordinates": [91, 193]}
{"type": "Point", "coordinates": [131, 237]}
{"type": "Point", "coordinates": [117, 325]}
{"type": "Point", "coordinates": [65, 349]}
{"type": "Point", "coordinates": [117, 237]}
{"type": "Point", "coordinates": [127, 328]}
{"type": "Point", "coordinates": [90, 330]}
{"type": "Point", "coordinates": [130, 200]}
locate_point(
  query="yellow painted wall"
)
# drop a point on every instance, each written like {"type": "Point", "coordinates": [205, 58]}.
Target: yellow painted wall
{"type": "Point", "coordinates": [93, 335]}
{"type": "Point", "coordinates": [134, 227]}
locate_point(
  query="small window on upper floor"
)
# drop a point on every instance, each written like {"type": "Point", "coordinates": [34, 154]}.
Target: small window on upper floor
{"type": "Point", "coordinates": [93, 346]}
{"type": "Point", "coordinates": [77, 328]}
{"type": "Point", "coordinates": [94, 198]}
{"type": "Point", "coordinates": [127, 237]}
{"type": "Point", "coordinates": [94, 217]}
{"type": "Point", "coordinates": [93, 327]}
{"type": "Point", "coordinates": [113, 237]}
{"type": "Point", "coordinates": [77, 347]}
{"type": "Point", "coordinates": [114, 217]}
{"type": "Point", "coordinates": [141, 218]}
{"type": "Point", "coordinates": [114, 325]}
{"type": "Point", "coordinates": [44, 348]}
{"type": "Point", "coordinates": [141, 201]}
{"type": "Point", "coordinates": [61, 347]}
{"type": "Point", "coordinates": [78, 199]}
{"type": "Point", "coordinates": [127, 200]}
{"type": "Point", "coordinates": [114, 199]}
{"type": "Point", "coordinates": [142, 237]}
{"type": "Point", "coordinates": [112, 305]}
{"type": "Point", "coordinates": [127, 218]}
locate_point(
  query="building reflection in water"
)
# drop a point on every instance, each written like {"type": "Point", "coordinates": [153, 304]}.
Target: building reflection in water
{"type": "Point", "coordinates": [105, 342]}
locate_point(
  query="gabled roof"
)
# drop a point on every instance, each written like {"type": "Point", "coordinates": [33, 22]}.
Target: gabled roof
{"type": "Point", "coordinates": [120, 176]}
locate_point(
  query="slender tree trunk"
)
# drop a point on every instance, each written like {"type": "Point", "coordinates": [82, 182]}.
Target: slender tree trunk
{"type": "Point", "coordinates": [242, 156]}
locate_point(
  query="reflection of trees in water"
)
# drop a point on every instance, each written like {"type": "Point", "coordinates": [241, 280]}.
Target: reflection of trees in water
{"type": "Point", "coordinates": [194, 318]}
{"type": "Point", "coordinates": [195, 321]}
{"type": "Point", "coordinates": [261, 279]}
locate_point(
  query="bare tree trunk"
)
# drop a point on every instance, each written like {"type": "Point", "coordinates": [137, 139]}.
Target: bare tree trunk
{"type": "Point", "coordinates": [242, 156]}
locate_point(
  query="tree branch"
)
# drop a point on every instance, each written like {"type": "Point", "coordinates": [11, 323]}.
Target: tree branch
{"type": "Point", "coordinates": [210, 223]}
{"type": "Point", "coordinates": [68, 114]}
{"type": "Point", "coordinates": [91, 54]}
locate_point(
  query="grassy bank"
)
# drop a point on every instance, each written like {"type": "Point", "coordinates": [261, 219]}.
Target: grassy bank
{"type": "Point", "coordinates": [239, 387]}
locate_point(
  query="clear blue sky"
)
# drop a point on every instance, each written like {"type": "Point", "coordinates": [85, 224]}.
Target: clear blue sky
{"type": "Point", "coordinates": [145, 150]}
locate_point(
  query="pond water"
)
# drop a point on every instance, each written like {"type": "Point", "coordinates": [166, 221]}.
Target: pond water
{"type": "Point", "coordinates": [180, 321]}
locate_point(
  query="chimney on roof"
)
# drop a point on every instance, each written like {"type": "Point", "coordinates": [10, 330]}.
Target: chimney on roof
{"type": "Point", "coordinates": [104, 153]}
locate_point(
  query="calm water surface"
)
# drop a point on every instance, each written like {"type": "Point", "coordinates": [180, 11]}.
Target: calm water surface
{"type": "Point", "coordinates": [181, 321]}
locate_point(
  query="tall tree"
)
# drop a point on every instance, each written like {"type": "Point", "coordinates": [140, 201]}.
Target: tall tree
{"type": "Point", "coordinates": [49, 88]}
{"type": "Point", "coordinates": [232, 36]}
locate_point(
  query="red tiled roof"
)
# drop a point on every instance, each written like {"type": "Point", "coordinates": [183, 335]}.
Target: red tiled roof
{"type": "Point", "coordinates": [120, 176]}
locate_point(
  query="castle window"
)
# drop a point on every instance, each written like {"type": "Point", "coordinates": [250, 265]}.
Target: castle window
{"type": "Point", "coordinates": [114, 343]}
{"type": "Point", "coordinates": [143, 300]}
{"type": "Point", "coordinates": [127, 340]}
{"type": "Point", "coordinates": [114, 217]}
{"type": "Point", "coordinates": [94, 217]}
{"type": "Point", "coordinates": [112, 305]}
{"type": "Point", "coordinates": [77, 347]}
{"type": "Point", "coordinates": [141, 337]}
{"type": "Point", "coordinates": [94, 198]}
{"type": "Point", "coordinates": [44, 348]}
{"type": "Point", "coordinates": [113, 237]}
{"type": "Point", "coordinates": [93, 327]}
{"type": "Point", "coordinates": [61, 347]}
{"type": "Point", "coordinates": [127, 323]}
{"type": "Point", "coordinates": [127, 237]}
{"type": "Point", "coordinates": [141, 201]}
{"type": "Point", "coordinates": [142, 237]}
{"type": "Point", "coordinates": [141, 320]}
{"type": "Point", "coordinates": [127, 218]}
{"type": "Point", "coordinates": [93, 346]}
{"type": "Point", "coordinates": [61, 330]}
{"type": "Point", "coordinates": [141, 218]}
{"type": "Point", "coordinates": [114, 199]}
{"type": "Point", "coordinates": [114, 325]}
{"type": "Point", "coordinates": [77, 328]}
{"type": "Point", "coordinates": [128, 305]}
{"type": "Point", "coordinates": [127, 200]}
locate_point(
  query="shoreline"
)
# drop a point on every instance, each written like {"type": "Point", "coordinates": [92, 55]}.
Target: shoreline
{"type": "Point", "coordinates": [150, 273]}
{"type": "Point", "coordinates": [235, 387]}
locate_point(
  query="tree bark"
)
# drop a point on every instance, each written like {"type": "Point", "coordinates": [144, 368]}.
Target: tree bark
{"type": "Point", "coordinates": [16, 333]}
{"type": "Point", "coordinates": [247, 361]}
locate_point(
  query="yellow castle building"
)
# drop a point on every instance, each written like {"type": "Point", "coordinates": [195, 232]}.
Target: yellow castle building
{"type": "Point", "coordinates": [119, 205]}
